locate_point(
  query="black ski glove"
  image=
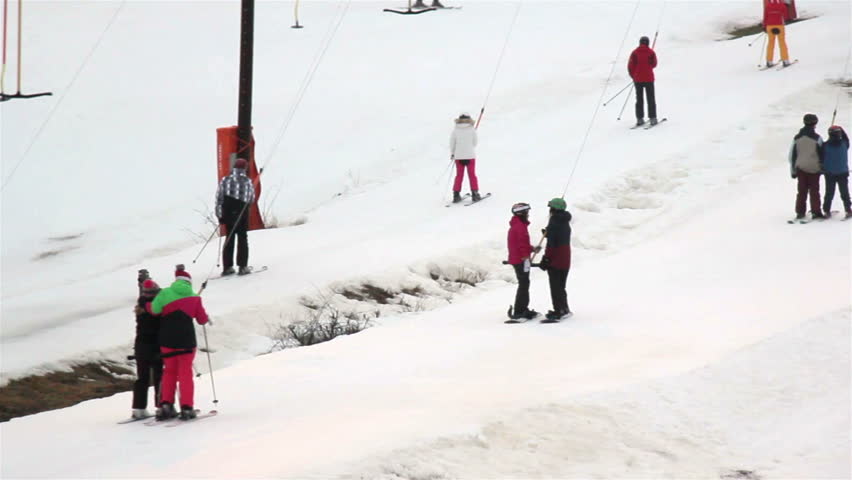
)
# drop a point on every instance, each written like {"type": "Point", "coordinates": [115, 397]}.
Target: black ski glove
{"type": "Point", "coordinates": [544, 264]}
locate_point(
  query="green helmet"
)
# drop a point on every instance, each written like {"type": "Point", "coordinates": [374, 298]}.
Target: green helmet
{"type": "Point", "coordinates": [557, 204]}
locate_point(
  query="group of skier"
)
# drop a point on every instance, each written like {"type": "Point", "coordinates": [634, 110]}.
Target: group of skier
{"type": "Point", "coordinates": [556, 260]}
{"type": "Point", "coordinates": [810, 158]}
{"type": "Point", "coordinates": [165, 345]}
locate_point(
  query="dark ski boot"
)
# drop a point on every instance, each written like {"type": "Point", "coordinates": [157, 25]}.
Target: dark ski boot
{"type": "Point", "coordinates": [640, 122]}
{"type": "Point", "coordinates": [848, 214]}
{"type": "Point", "coordinates": [525, 315]}
{"type": "Point", "coordinates": [419, 4]}
{"type": "Point", "coordinates": [653, 121]}
{"type": "Point", "coordinates": [187, 412]}
{"type": "Point", "coordinates": [167, 411]}
{"type": "Point", "coordinates": [244, 271]}
{"type": "Point", "coordinates": [817, 216]}
{"type": "Point", "coordinates": [457, 197]}
{"type": "Point", "coordinates": [228, 271]}
{"type": "Point", "coordinates": [475, 196]}
{"type": "Point", "coordinates": [437, 4]}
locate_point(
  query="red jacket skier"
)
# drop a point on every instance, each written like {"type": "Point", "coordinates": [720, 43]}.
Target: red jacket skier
{"type": "Point", "coordinates": [643, 61]}
{"type": "Point", "coordinates": [774, 16]}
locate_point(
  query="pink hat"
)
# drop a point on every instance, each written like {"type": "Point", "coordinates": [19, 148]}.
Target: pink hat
{"type": "Point", "coordinates": [181, 274]}
{"type": "Point", "coordinates": [150, 286]}
{"type": "Point", "coordinates": [241, 163]}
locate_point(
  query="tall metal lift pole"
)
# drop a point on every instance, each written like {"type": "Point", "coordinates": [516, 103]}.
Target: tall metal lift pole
{"type": "Point", "coordinates": [246, 65]}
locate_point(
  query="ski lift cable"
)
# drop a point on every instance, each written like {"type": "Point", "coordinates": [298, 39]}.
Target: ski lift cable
{"type": "Point", "coordinates": [303, 88]}
{"type": "Point", "coordinates": [598, 103]}
{"type": "Point", "coordinates": [840, 85]}
{"type": "Point", "coordinates": [64, 94]}
{"type": "Point", "coordinates": [659, 22]}
{"type": "Point", "coordinates": [306, 82]}
{"type": "Point", "coordinates": [499, 63]}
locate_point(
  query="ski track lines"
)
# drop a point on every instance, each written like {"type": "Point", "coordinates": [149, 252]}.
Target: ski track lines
{"type": "Point", "coordinates": [667, 425]}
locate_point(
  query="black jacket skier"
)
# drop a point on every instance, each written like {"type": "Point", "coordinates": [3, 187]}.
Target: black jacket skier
{"type": "Point", "coordinates": [146, 349]}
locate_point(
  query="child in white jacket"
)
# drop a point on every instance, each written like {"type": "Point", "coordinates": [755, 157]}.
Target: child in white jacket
{"type": "Point", "coordinates": [463, 151]}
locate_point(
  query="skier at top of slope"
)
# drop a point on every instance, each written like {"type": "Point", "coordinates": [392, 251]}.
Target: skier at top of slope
{"type": "Point", "coordinates": [774, 14]}
{"type": "Point", "coordinates": [640, 66]}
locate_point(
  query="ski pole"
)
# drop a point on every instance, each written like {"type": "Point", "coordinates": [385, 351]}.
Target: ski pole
{"type": "Point", "coordinates": [626, 99]}
{"type": "Point", "coordinates": [205, 243]}
{"type": "Point", "coordinates": [445, 171]}
{"type": "Point", "coordinates": [756, 39]}
{"type": "Point", "coordinates": [209, 364]}
{"type": "Point", "coordinates": [760, 52]}
{"type": "Point", "coordinates": [219, 254]}
{"type": "Point", "coordinates": [506, 262]}
{"type": "Point", "coordinates": [617, 94]}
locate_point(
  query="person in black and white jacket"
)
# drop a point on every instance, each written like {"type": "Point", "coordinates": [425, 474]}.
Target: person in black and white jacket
{"type": "Point", "coordinates": [233, 198]}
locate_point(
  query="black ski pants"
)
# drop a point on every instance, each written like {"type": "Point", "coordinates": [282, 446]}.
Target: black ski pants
{"type": "Point", "coordinates": [522, 295]}
{"type": "Point", "coordinates": [238, 224]}
{"type": "Point", "coordinates": [149, 367]}
{"type": "Point", "coordinates": [558, 296]}
{"type": "Point", "coordinates": [646, 88]}
{"type": "Point", "coordinates": [842, 181]}
{"type": "Point", "coordinates": [240, 237]}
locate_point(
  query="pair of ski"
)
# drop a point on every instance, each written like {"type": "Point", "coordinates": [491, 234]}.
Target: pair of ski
{"type": "Point", "coordinates": [539, 317]}
{"type": "Point", "coordinates": [805, 220]}
{"type": "Point", "coordinates": [151, 420]}
{"type": "Point", "coordinates": [467, 204]}
{"type": "Point", "coordinates": [777, 66]}
{"type": "Point", "coordinates": [649, 125]}
{"type": "Point", "coordinates": [252, 271]}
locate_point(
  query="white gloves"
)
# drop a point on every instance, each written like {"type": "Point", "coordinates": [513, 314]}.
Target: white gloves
{"type": "Point", "coordinates": [526, 265]}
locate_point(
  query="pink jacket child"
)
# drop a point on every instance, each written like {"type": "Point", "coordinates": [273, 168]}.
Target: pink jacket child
{"type": "Point", "coordinates": [519, 240]}
{"type": "Point", "coordinates": [519, 257]}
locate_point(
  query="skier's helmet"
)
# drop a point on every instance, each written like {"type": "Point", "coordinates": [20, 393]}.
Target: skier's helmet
{"type": "Point", "coordinates": [557, 204]}
{"type": "Point", "coordinates": [520, 209]}
{"type": "Point", "coordinates": [835, 131]}
{"type": "Point", "coordinates": [644, 41]}
{"type": "Point", "coordinates": [241, 163]}
{"type": "Point", "coordinates": [810, 119]}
